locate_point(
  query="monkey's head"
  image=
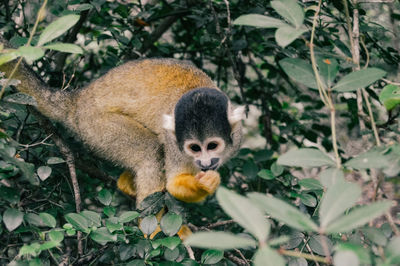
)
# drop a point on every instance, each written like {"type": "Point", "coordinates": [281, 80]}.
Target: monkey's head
{"type": "Point", "coordinates": [206, 126]}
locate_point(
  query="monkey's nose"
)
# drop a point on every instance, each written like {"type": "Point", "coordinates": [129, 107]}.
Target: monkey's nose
{"type": "Point", "coordinates": [212, 166]}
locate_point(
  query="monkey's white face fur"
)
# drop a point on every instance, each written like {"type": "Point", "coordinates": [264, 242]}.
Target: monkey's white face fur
{"type": "Point", "coordinates": [207, 154]}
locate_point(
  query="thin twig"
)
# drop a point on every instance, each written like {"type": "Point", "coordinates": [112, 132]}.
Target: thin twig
{"type": "Point", "coordinates": [310, 250]}
{"type": "Point", "coordinates": [229, 255]}
{"type": "Point", "coordinates": [238, 75]}
{"type": "Point", "coordinates": [43, 142]}
{"type": "Point", "coordinates": [391, 82]}
{"type": "Point", "coordinates": [371, 117]}
{"type": "Point", "coordinates": [190, 252]}
{"type": "Point", "coordinates": [392, 224]}
{"type": "Point", "coordinates": [70, 161]}
{"type": "Point", "coordinates": [242, 256]}
{"type": "Point", "coordinates": [304, 255]}
{"type": "Point", "coordinates": [220, 223]}
{"type": "Point", "coordinates": [325, 97]}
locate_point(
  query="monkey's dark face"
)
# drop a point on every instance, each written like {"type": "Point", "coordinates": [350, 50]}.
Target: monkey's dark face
{"type": "Point", "coordinates": [205, 128]}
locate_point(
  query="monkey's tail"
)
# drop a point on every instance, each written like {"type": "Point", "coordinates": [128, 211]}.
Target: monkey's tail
{"type": "Point", "coordinates": [54, 104]}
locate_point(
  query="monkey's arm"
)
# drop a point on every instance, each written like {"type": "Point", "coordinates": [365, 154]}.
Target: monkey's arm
{"type": "Point", "coordinates": [189, 188]}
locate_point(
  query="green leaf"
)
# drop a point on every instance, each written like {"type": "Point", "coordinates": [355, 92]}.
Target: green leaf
{"type": "Point", "coordinates": [244, 213]}
{"type": "Point", "coordinates": [212, 256]}
{"type": "Point", "coordinates": [112, 224]}
{"type": "Point", "coordinates": [93, 218]}
{"type": "Point", "coordinates": [311, 184]}
{"type": "Point", "coordinates": [109, 211]}
{"type": "Point", "coordinates": [266, 174]}
{"type": "Point", "coordinates": [362, 252]}
{"type": "Point", "coordinates": [169, 242]}
{"type": "Point", "coordinates": [44, 172]}
{"type": "Point", "coordinates": [31, 53]}
{"type": "Point", "coordinates": [65, 47]}
{"type": "Point", "coordinates": [250, 169]}
{"type": "Point", "coordinates": [358, 217]}
{"type": "Point", "coordinates": [20, 98]}
{"type": "Point", "coordinates": [148, 225]}
{"type": "Point", "coordinates": [375, 235]}
{"type": "Point", "coordinates": [7, 57]}
{"type": "Point", "coordinates": [297, 261]}
{"type": "Point", "coordinates": [290, 10]}
{"type": "Point", "coordinates": [171, 254]}
{"type": "Point", "coordinates": [328, 68]}
{"type": "Point", "coordinates": [300, 71]}
{"type": "Point", "coordinates": [33, 219]}
{"type": "Point", "coordinates": [170, 223]}
{"type": "Point", "coordinates": [128, 216]}
{"type": "Point", "coordinates": [219, 240]}
{"type": "Point", "coordinates": [78, 221]}
{"type": "Point", "coordinates": [102, 236]}
{"type": "Point", "coordinates": [56, 236]}
{"type": "Point", "coordinates": [83, 7]}
{"type": "Point", "coordinates": [152, 204]}
{"type": "Point", "coordinates": [359, 79]}
{"type": "Point", "coordinates": [12, 218]}
{"type": "Point", "coordinates": [308, 199]}
{"type": "Point", "coordinates": [266, 256]}
{"type": "Point", "coordinates": [32, 249]}
{"type": "Point", "coordinates": [374, 158]}
{"type": "Point", "coordinates": [390, 96]}
{"type": "Point", "coordinates": [287, 34]}
{"type": "Point", "coordinates": [345, 258]}
{"type": "Point", "coordinates": [331, 176]}
{"type": "Point", "coordinates": [260, 21]}
{"type": "Point", "coordinates": [315, 243]}
{"type": "Point", "coordinates": [105, 197]}
{"type": "Point", "coordinates": [276, 169]}
{"type": "Point", "coordinates": [392, 251]}
{"type": "Point", "coordinates": [336, 200]}
{"type": "Point", "coordinates": [55, 160]}
{"type": "Point", "coordinates": [48, 219]}
{"type": "Point", "coordinates": [305, 158]}
{"type": "Point", "coordinates": [48, 245]}
{"type": "Point", "coordinates": [283, 212]}
{"type": "Point", "coordinates": [57, 28]}
{"type": "Point", "coordinates": [126, 251]}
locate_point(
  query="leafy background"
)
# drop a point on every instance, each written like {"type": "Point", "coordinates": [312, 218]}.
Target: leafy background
{"type": "Point", "coordinates": [315, 183]}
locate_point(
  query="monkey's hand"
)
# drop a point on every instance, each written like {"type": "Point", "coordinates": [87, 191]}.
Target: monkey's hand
{"type": "Point", "coordinates": [189, 188]}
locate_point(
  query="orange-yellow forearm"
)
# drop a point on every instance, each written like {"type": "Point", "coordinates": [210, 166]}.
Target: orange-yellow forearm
{"type": "Point", "coordinates": [189, 188]}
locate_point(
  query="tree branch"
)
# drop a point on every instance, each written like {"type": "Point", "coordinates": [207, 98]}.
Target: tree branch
{"type": "Point", "coordinates": [69, 159]}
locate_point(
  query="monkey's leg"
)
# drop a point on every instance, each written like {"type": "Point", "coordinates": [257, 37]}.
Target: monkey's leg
{"type": "Point", "coordinates": [126, 183]}
{"type": "Point", "coordinates": [133, 146]}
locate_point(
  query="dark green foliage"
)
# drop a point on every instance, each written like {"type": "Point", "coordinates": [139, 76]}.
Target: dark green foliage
{"type": "Point", "coordinates": [284, 196]}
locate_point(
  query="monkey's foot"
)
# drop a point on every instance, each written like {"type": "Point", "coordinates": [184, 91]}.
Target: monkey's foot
{"type": "Point", "coordinates": [184, 232]}
{"type": "Point", "coordinates": [125, 183]}
{"type": "Point", "coordinates": [189, 188]}
{"type": "Point", "coordinates": [159, 215]}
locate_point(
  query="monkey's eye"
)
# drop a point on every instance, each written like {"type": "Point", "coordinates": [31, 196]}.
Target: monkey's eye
{"type": "Point", "coordinates": [195, 148]}
{"type": "Point", "coordinates": [212, 146]}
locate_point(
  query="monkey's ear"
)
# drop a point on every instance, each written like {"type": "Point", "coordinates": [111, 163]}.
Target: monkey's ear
{"type": "Point", "coordinates": [236, 115]}
{"type": "Point", "coordinates": [169, 123]}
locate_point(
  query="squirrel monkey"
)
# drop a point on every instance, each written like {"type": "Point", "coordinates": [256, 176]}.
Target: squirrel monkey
{"type": "Point", "coordinates": [163, 120]}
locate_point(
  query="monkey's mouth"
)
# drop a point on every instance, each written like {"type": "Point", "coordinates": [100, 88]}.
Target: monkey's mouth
{"type": "Point", "coordinates": [210, 168]}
